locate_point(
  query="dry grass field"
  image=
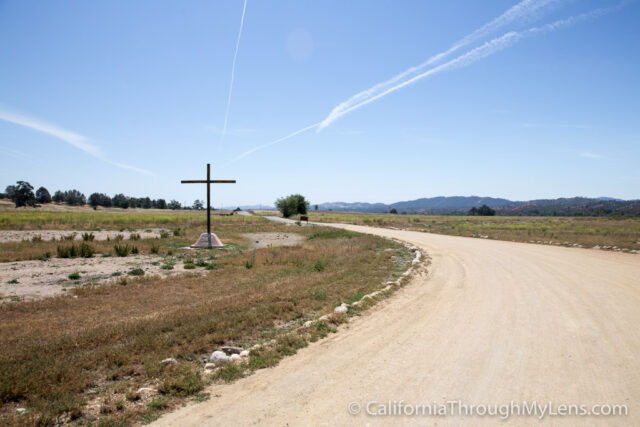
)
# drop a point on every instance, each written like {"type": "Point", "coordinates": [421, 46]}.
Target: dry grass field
{"type": "Point", "coordinates": [82, 357]}
{"type": "Point", "coordinates": [607, 233]}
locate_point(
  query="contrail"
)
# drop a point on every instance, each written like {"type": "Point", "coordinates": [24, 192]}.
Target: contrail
{"type": "Point", "coordinates": [488, 48]}
{"type": "Point", "coordinates": [71, 138]}
{"type": "Point", "coordinates": [269, 144]}
{"type": "Point", "coordinates": [463, 60]}
{"type": "Point", "coordinates": [233, 73]}
{"type": "Point", "coordinates": [520, 11]}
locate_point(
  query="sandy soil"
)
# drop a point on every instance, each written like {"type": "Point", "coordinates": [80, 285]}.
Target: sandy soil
{"type": "Point", "coordinates": [265, 240]}
{"type": "Point", "coordinates": [492, 322]}
{"type": "Point", "coordinates": [20, 235]}
{"type": "Point", "coordinates": [39, 279]}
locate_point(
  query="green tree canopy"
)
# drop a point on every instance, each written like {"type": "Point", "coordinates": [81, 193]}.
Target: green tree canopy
{"type": "Point", "coordinates": [292, 205]}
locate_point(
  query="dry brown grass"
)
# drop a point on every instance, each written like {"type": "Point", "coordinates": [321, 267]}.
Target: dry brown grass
{"type": "Point", "coordinates": [111, 339]}
{"type": "Point", "coordinates": [585, 231]}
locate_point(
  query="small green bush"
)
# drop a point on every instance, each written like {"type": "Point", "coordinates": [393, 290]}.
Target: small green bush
{"type": "Point", "coordinates": [121, 250]}
{"type": "Point", "coordinates": [189, 266]}
{"type": "Point", "coordinates": [136, 272]}
{"type": "Point", "coordinates": [85, 250]}
{"type": "Point", "coordinates": [67, 251]}
{"type": "Point", "coordinates": [181, 380]}
{"type": "Point", "coordinates": [88, 237]}
{"type": "Point", "coordinates": [155, 249]}
{"type": "Point", "coordinates": [164, 234]}
{"type": "Point", "coordinates": [134, 236]}
{"type": "Point", "coordinates": [36, 239]}
{"type": "Point", "coordinates": [167, 267]}
{"type": "Point", "coordinates": [134, 250]}
{"type": "Point", "coordinates": [74, 276]}
{"type": "Point", "coordinates": [13, 282]}
{"type": "Point", "coordinates": [319, 266]}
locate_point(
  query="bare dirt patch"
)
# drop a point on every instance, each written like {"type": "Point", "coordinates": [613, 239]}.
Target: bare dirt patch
{"type": "Point", "coordinates": [30, 280]}
{"type": "Point", "coordinates": [48, 235]}
{"type": "Point", "coordinates": [265, 240]}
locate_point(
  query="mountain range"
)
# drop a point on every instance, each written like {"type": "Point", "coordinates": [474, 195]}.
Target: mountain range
{"type": "Point", "coordinates": [461, 204]}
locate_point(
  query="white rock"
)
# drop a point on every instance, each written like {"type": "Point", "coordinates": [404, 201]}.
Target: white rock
{"type": "Point", "coordinates": [387, 288]}
{"type": "Point", "coordinates": [145, 390]}
{"type": "Point", "coordinates": [218, 357]}
{"type": "Point", "coordinates": [169, 360]}
{"type": "Point", "coordinates": [415, 261]}
{"type": "Point", "coordinates": [235, 358]}
{"type": "Point", "coordinates": [244, 353]}
{"type": "Point", "coordinates": [308, 323]}
{"type": "Point", "coordinates": [209, 365]}
{"type": "Point", "coordinates": [256, 347]}
{"type": "Point", "coordinates": [323, 318]}
{"type": "Point", "coordinates": [341, 309]}
{"type": "Point", "coordinates": [21, 411]}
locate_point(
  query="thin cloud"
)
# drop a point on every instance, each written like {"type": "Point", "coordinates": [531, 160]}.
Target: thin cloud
{"type": "Point", "coordinates": [76, 140]}
{"type": "Point", "coordinates": [277, 141]}
{"type": "Point", "coordinates": [590, 155]}
{"type": "Point", "coordinates": [521, 11]}
{"type": "Point", "coordinates": [487, 49]}
{"type": "Point", "coordinates": [233, 73]}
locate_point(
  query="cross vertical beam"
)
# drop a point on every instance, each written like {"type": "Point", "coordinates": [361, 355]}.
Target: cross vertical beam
{"type": "Point", "coordinates": [209, 203]}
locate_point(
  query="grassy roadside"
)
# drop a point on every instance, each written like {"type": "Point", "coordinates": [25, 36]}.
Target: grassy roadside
{"type": "Point", "coordinates": [623, 234]}
{"type": "Point", "coordinates": [81, 360]}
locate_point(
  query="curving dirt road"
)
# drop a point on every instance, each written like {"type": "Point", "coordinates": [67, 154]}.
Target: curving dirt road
{"type": "Point", "coordinates": [492, 322]}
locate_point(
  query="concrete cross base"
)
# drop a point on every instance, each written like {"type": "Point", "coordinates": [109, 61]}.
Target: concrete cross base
{"type": "Point", "coordinates": [204, 242]}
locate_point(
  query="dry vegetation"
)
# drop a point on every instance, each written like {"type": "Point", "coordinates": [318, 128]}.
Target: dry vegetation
{"type": "Point", "coordinates": [584, 231]}
{"type": "Point", "coordinates": [82, 357]}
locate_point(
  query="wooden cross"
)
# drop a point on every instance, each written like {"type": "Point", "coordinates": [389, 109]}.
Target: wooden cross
{"type": "Point", "coordinates": [208, 181]}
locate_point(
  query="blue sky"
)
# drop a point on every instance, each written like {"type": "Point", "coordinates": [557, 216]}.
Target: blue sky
{"type": "Point", "coordinates": [131, 96]}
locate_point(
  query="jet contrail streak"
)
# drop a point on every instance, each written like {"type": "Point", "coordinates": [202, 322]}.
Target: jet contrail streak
{"type": "Point", "coordinates": [522, 10]}
{"type": "Point", "coordinates": [488, 48]}
{"type": "Point", "coordinates": [269, 144]}
{"type": "Point", "coordinates": [233, 73]}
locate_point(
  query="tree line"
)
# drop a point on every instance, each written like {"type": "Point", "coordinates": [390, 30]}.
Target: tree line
{"type": "Point", "coordinates": [23, 194]}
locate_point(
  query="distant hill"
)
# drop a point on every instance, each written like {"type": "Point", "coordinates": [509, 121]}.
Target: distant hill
{"type": "Point", "coordinates": [574, 206]}
{"type": "Point", "coordinates": [424, 205]}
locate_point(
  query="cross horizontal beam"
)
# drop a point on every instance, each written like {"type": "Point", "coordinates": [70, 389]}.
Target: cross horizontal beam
{"type": "Point", "coordinates": [213, 181]}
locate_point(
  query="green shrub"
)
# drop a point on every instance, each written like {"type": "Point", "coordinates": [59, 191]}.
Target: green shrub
{"type": "Point", "coordinates": [158, 403]}
{"type": "Point", "coordinates": [45, 256]}
{"type": "Point", "coordinates": [88, 237]}
{"type": "Point", "coordinates": [249, 263]}
{"type": "Point", "coordinates": [36, 239]}
{"type": "Point", "coordinates": [136, 272]}
{"type": "Point", "coordinates": [167, 267]}
{"type": "Point", "coordinates": [177, 232]}
{"type": "Point", "coordinates": [155, 249]}
{"type": "Point", "coordinates": [13, 282]}
{"type": "Point", "coordinates": [319, 265]}
{"type": "Point", "coordinates": [74, 276]}
{"type": "Point", "coordinates": [67, 251]}
{"type": "Point", "coordinates": [181, 380]}
{"type": "Point", "coordinates": [319, 295]}
{"type": "Point", "coordinates": [121, 250]}
{"type": "Point", "coordinates": [134, 250]}
{"type": "Point", "coordinates": [85, 250]}
{"type": "Point", "coordinates": [189, 266]}
{"type": "Point", "coordinates": [134, 236]}
{"type": "Point", "coordinates": [164, 234]}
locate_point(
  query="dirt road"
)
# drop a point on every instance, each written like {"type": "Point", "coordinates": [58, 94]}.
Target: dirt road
{"type": "Point", "coordinates": [492, 322]}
